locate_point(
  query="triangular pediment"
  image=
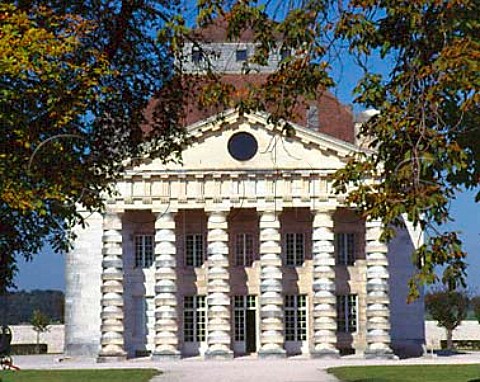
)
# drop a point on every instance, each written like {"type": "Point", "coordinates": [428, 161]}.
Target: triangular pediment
{"type": "Point", "coordinates": [209, 148]}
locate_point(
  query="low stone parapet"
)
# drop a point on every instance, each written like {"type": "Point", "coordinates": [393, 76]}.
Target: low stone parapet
{"type": "Point", "coordinates": [467, 331]}
{"type": "Point", "coordinates": [54, 338]}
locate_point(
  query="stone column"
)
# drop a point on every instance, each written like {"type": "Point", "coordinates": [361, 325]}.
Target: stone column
{"type": "Point", "coordinates": [218, 288]}
{"type": "Point", "coordinates": [324, 297]}
{"type": "Point", "coordinates": [166, 319]}
{"type": "Point", "coordinates": [378, 311]}
{"type": "Point", "coordinates": [112, 326]}
{"type": "Point", "coordinates": [271, 298]}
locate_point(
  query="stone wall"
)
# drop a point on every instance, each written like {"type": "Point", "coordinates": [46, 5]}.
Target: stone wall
{"type": "Point", "coordinates": [24, 334]}
{"type": "Point", "coordinates": [54, 338]}
{"type": "Point", "coordinates": [468, 330]}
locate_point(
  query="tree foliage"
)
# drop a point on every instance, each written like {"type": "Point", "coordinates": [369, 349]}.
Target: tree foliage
{"type": "Point", "coordinates": [16, 308]}
{"type": "Point", "coordinates": [449, 308]}
{"type": "Point", "coordinates": [475, 305]}
{"type": "Point", "coordinates": [82, 73]}
{"type": "Point", "coordinates": [424, 143]}
{"type": "Point", "coordinates": [75, 78]}
{"type": "Point", "coordinates": [425, 139]}
{"type": "Point", "coordinates": [40, 323]}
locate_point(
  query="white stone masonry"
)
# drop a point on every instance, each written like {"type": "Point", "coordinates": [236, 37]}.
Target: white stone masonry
{"type": "Point", "coordinates": [166, 315]}
{"type": "Point", "coordinates": [324, 297]}
{"type": "Point", "coordinates": [378, 311]}
{"type": "Point", "coordinates": [218, 287]}
{"type": "Point", "coordinates": [112, 315]}
{"type": "Point", "coordinates": [271, 298]}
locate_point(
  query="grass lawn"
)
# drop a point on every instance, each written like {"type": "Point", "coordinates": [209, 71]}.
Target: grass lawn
{"type": "Point", "coordinates": [423, 373]}
{"type": "Point", "coordinates": [105, 375]}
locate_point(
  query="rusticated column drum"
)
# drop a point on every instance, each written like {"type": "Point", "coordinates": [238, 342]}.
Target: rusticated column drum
{"type": "Point", "coordinates": [218, 299]}
{"type": "Point", "coordinates": [166, 315]}
{"type": "Point", "coordinates": [378, 311]}
{"type": "Point", "coordinates": [112, 315]}
{"type": "Point", "coordinates": [324, 298]}
{"type": "Point", "coordinates": [271, 299]}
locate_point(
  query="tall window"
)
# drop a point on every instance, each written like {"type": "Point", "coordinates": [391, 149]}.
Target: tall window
{"type": "Point", "coordinates": [294, 249]}
{"type": "Point", "coordinates": [347, 313]}
{"type": "Point", "coordinates": [345, 248]}
{"type": "Point", "coordinates": [240, 305]}
{"type": "Point", "coordinates": [295, 318]}
{"type": "Point", "coordinates": [194, 250]}
{"type": "Point", "coordinates": [194, 317]}
{"type": "Point", "coordinates": [244, 249]}
{"type": "Point", "coordinates": [143, 251]}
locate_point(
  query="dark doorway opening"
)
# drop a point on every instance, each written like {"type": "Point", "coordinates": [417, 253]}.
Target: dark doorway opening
{"type": "Point", "coordinates": [251, 335]}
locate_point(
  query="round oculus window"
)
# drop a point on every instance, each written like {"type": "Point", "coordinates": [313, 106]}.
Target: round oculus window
{"type": "Point", "coordinates": [242, 146]}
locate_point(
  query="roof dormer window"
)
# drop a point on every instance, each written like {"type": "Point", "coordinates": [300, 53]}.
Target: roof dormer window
{"type": "Point", "coordinates": [197, 55]}
{"type": "Point", "coordinates": [241, 55]}
{"type": "Point", "coordinates": [285, 53]}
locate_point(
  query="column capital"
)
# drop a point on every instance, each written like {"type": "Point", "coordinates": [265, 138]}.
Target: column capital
{"type": "Point", "coordinates": [322, 209]}
{"type": "Point", "coordinates": [323, 218]}
{"type": "Point", "coordinates": [111, 210]}
{"type": "Point", "coordinates": [261, 210]}
{"type": "Point", "coordinates": [217, 211]}
{"type": "Point", "coordinates": [162, 211]}
{"type": "Point", "coordinates": [112, 220]}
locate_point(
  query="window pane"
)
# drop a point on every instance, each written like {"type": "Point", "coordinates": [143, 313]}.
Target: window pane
{"type": "Point", "coordinates": [194, 318]}
{"type": "Point", "coordinates": [189, 250]}
{"type": "Point", "coordinates": [290, 249]}
{"type": "Point", "coordinates": [144, 251]}
{"type": "Point", "coordinates": [199, 256]}
{"type": "Point", "coordinates": [244, 249]}
{"type": "Point", "coordinates": [299, 249]}
{"type": "Point", "coordinates": [294, 249]}
{"type": "Point", "coordinates": [295, 318]}
{"type": "Point", "coordinates": [350, 248]}
{"type": "Point", "coordinates": [194, 250]}
{"type": "Point", "coordinates": [347, 313]}
{"type": "Point", "coordinates": [248, 249]}
{"type": "Point", "coordinates": [285, 53]}
{"type": "Point", "coordinates": [241, 55]}
{"type": "Point", "coordinates": [148, 251]}
{"type": "Point", "coordinates": [239, 250]}
{"type": "Point", "coordinates": [138, 252]}
{"type": "Point", "coordinates": [345, 248]}
{"type": "Point", "coordinates": [197, 55]}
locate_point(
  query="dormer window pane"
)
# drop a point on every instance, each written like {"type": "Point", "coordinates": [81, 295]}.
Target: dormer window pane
{"type": "Point", "coordinates": [241, 55]}
{"type": "Point", "coordinates": [197, 55]}
{"type": "Point", "coordinates": [285, 53]}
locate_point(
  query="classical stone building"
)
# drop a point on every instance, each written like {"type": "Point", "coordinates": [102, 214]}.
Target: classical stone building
{"type": "Point", "coordinates": [243, 248]}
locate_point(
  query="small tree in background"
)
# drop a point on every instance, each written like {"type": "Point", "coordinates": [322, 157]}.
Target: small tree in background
{"type": "Point", "coordinates": [449, 308]}
{"type": "Point", "coordinates": [475, 304]}
{"type": "Point", "coordinates": [40, 322]}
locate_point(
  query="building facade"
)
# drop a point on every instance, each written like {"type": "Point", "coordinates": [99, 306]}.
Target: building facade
{"type": "Point", "coordinates": [244, 248]}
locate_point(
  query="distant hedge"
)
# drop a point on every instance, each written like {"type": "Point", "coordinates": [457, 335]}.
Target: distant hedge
{"type": "Point", "coordinates": [28, 349]}
{"type": "Point", "coordinates": [17, 307]}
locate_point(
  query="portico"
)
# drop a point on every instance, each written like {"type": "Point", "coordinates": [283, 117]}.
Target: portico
{"type": "Point", "coordinates": [222, 256]}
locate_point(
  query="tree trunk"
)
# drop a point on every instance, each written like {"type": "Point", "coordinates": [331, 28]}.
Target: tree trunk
{"type": "Point", "coordinates": [449, 339]}
{"type": "Point", "coordinates": [38, 342]}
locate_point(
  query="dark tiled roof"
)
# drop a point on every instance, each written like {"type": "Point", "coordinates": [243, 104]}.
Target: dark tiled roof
{"type": "Point", "coordinates": [216, 32]}
{"type": "Point", "coordinates": [333, 118]}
